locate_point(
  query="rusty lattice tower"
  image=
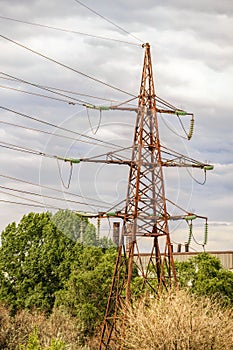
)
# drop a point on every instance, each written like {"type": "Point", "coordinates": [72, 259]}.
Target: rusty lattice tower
{"type": "Point", "coordinates": [145, 211]}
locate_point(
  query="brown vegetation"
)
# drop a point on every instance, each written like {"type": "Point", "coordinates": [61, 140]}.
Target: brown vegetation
{"type": "Point", "coordinates": [175, 321]}
{"type": "Point", "coordinates": [178, 321]}
{"type": "Point", "coordinates": [14, 331]}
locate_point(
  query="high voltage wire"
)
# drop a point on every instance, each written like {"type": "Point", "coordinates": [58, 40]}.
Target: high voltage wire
{"type": "Point", "coordinates": [30, 205]}
{"type": "Point", "coordinates": [51, 89]}
{"type": "Point", "coordinates": [39, 205]}
{"type": "Point", "coordinates": [50, 197]}
{"type": "Point", "coordinates": [109, 21]}
{"type": "Point", "coordinates": [81, 102]}
{"type": "Point", "coordinates": [27, 150]}
{"type": "Point", "coordinates": [54, 89]}
{"type": "Point", "coordinates": [17, 148]}
{"type": "Point", "coordinates": [68, 30]}
{"type": "Point", "coordinates": [28, 199]}
{"type": "Point", "coordinates": [38, 130]}
{"type": "Point", "coordinates": [70, 102]}
{"type": "Point", "coordinates": [51, 188]}
{"type": "Point", "coordinates": [62, 136]}
{"type": "Point", "coordinates": [38, 95]}
{"type": "Point", "coordinates": [110, 144]}
{"type": "Point", "coordinates": [65, 66]}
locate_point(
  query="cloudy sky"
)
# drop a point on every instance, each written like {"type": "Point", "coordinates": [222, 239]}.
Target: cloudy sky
{"type": "Point", "coordinates": [192, 53]}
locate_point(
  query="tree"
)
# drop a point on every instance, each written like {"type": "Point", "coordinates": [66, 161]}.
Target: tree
{"type": "Point", "coordinates": [75, 227]}
{"type": "Point", "coordinates": [204, 275]}
{"type": "Point", "coordinates": [35, 261]}
{"type": "Point", "coordinates": [86, 291]}
{"type": "Point", "coordinates": [42, 264]}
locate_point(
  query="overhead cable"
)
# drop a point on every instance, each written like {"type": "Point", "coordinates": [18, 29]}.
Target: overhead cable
{"type": "Point", "coordinates": [53, 89]}
{"type": "Point", "coordinates": [62, 128]}
{"type": "Point", "coordinates": [31, 205]}
{"type": "Point", "coordinates": [38, 130]}
{"type": "Point", "coordinates": [109, 21]}
{"type": "Point", "coordinates": [39, 95]}
{"type": "Point", "coordinates": [50, 188]}
{"type": "Point", "coordinates": [68, 30]}
{"type": "Point", "coordinates": [81, 102]}
{"type": "Point", "coordinates": [65, 66]}
{"type": "Point", "coordinates": [49, 197]}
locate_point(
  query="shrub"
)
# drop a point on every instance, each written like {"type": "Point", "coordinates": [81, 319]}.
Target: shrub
{"type": "Point", "coordinates": [54, 330]}
{"type": "Point", "coordinates": [178, 320]}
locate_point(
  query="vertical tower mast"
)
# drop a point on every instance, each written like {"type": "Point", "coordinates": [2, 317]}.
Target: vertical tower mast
{"type": "Point", "coordinates": [145, 211]}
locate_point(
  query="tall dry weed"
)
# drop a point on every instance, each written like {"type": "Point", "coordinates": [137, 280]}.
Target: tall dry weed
{"type": "Point", "coordinates": [14, 331]}
{"type": "Point", "coordinates": [178, 321]}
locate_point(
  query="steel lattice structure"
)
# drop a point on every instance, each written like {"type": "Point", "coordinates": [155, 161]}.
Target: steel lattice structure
{"type": "Point", "coordinates": [145, 212]}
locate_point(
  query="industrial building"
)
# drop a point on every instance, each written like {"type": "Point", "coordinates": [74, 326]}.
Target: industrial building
{"type": "Point", "coordinates": [226, 257]}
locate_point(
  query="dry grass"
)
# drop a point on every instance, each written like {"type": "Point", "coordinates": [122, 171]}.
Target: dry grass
{"type": "Point", "coordinates": [14, 331]}
{"type": "Point", "coordinates": [178, 321]}
{"type": "Point", "coordinates": [175, 321]}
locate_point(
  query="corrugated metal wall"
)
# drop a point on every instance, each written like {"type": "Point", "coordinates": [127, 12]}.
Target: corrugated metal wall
{"type": "Point", "coordinates": [226, 258]}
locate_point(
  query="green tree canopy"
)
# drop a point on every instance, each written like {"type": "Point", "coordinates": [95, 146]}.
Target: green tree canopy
{"type": "Point", "coordinates": [75, 227]}
{"type": "Point", "coordinates": [204, 275]}
{"type": "Point", "coordinates": [41, 256]}
{"type": "Point", "coordinates": [35, 259]}
{"type": "Point", "coordinates": [86, 292]}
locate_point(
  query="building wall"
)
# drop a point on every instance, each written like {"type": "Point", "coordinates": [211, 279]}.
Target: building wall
{"type": "Point", "coordinates": [226, 258]}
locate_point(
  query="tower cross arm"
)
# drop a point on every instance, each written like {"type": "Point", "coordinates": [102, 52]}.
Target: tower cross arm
{"type": "Point", "coordinates": [182, 164]}
{"type": "Point", "coordinates": [171, 158]}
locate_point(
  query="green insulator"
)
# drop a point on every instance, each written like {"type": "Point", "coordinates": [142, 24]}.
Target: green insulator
{"type": "Point", "coordinates": [100, 108]}
{"type": "Point", "coordinates": [73, 160]}
{"type": "Point", "coordinates": [70, 160]}
{"type": "Point", "coordinates": [180, 112]}
{"type": "Point", "coordinates": [190, 217]}
{"type": "Point", "coordinates": [103, 108]}
{"type": "Point", "coordinates": [111, 214]}
{"type": "Point", "coordinates": [190, 233]}
{"type": "Point", "coordinates": [208, 167]}
{"type": "Point", "coordinates": [206, 234]}
{"type": "Point", "coordinates": [191, 128]}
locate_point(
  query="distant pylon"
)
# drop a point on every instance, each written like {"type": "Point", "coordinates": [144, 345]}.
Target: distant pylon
{"type": "Point", "coordinates": [145, 214]}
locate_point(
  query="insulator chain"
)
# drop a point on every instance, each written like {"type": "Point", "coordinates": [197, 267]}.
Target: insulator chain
{"type": "Point", "coordinates": [191, 128]}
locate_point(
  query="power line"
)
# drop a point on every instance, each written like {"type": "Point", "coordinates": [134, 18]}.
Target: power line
{"type": "Point", "coordinates": [50, 188]}
{"type": "Point", "coordinates": [62, 136]}
{"type": "Point", "coordinates": [81, 102]}
{"type": "Point", "coordinates": [61, 128]}
{"type": "Point", "coordinates": [70, 102]}
{"type": "Point", "coordinates": [159, 100]}
{"type": "Point", "coordinates": [50, 197]}
{"type": "Point", "coordinates": [109, 21]}
{"type": "Point", "coordinates": [29, 204]}
{"type": "Point", "coordinates": [17, 148]}
{"type": "Point", "coordinates": [68, 30]}
{"type": "Point", "coordinates": [72, 161]}
{"type": "Point", "coordinates": [38, 95]}
{"type": "Point", "coordinates": [49, 88]}
{"type": "Point", "coordinates": [38, 130]}
{"type": "Point", "coordinates": [20, 197]}
{"type": "Point", "coordinates": [65, 66]}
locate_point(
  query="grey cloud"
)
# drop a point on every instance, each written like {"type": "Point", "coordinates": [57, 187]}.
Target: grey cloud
{"type": "Point", "coordinates": [192, 55]}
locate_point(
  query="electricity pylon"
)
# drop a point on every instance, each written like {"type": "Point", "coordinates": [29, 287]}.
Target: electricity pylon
{"type": "Point", "coordinates": [145, 211]}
